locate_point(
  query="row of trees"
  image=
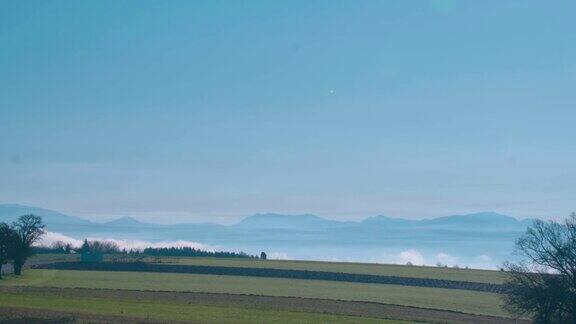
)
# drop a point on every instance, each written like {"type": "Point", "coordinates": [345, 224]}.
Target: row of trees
{"type": "Point", "coordinates": [109, 247]}
{"type": "Point", "coordinates": [93, 246]}
{"type": "Point", "coordinates": [192, 252]}
{"type": "Point", "coordinates": [103, 247]}
{"type": "Point", "coordinates": [16, 241]}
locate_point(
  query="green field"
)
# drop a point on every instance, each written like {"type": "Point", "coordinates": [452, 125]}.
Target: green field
{"type": "Point", "coordinates": [179, 296]}
{"type": "Point", "coordinates": [485, 276]}
{"type": "Point", "coordinates": [473, 275]}
{"type": "Point", "coordinates": [435, 298]}
{"type": "Point", "coordinates": [174, 311]}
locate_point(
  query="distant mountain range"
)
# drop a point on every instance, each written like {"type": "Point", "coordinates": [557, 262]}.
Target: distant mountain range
{"type": "Point", "coordinates": [486, 221]}
{"type": "Point", "coordinates": [309, 236]}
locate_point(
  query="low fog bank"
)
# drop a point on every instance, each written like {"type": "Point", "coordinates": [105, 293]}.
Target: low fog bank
{"type": "Point", "coordinates": [422, 256]}
{"type": "Point", "coordinates": [50, 238]}
{"type": "Point", "coordinates": [402, 257]}
{"type": "Point", "coordinates": [479, 240]}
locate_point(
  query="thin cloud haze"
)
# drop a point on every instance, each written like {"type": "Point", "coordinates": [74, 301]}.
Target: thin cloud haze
{"type": "Point", "coordinates": [395, 108]}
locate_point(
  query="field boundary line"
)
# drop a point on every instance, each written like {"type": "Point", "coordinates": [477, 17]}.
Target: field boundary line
{"type": "Point", "coordinates": [275, 273]}
{"type": "Point", "coordinates": [126, 292]}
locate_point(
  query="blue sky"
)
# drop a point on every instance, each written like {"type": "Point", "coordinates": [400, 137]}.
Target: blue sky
{"type": "Point", "coordinates": [213, 110]}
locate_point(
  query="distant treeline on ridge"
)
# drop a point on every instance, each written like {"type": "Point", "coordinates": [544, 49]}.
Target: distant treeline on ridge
{"type": "Point", "coordinates": [192, 252]}
{"type": "Point", "coordinates": [107, 247]}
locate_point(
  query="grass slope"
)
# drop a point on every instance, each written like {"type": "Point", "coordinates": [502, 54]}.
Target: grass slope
{"type": "Point", "coordinates": [446, 299]}
{"type": "Point", "coordinates": [473, 275]}
{"type": "Point", "coordinates": [174, 311]}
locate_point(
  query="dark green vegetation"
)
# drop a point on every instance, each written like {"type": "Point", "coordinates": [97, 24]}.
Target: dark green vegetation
{"type": "Point", "coordinates": [107, 247]}
{"type": "Point", "coordinates": [7, 236]}
{"type": "Point", "coordinates": [16, 240]}
{"type": "Point", "coordinates": [191, 252]}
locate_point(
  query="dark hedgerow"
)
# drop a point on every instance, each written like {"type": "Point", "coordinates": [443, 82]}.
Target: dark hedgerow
{"type": "Point", "coordinates": [192, 252]}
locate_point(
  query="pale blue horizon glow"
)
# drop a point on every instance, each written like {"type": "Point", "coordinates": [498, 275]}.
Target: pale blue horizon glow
{"type": "Point", "coordinates": [213, 110]}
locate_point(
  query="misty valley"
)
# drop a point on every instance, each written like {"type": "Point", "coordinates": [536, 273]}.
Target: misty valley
{"type": "Point", "coordinates": [481, 240]}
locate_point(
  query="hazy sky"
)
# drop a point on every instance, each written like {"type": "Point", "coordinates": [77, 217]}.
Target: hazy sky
{"type": "Point", "coordinates": [212, 110]}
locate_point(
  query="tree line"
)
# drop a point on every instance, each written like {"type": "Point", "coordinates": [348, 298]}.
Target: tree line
{"type": "Point", "coordinates": [109, 247]}
{"type": "Point", "coordinates": [16, 241]}
{"type": "Point", "coordinates": [192, 252]}
{"type": "Point", "coordinates": [91, 246]}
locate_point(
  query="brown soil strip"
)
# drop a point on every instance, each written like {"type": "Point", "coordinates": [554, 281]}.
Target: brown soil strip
{"type": "Point", "coordinates": [23, 315]}
{"type": "Point", "coordinates": [350, 308]}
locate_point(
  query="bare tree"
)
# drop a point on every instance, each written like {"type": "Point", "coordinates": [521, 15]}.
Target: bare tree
{"type": "Point", "coordinates": [543, 286]}
{"type": "Point", "coordinates": [29, 229]}
{"type": "Point", "coordinates": [103, 247]}
{"type": "Point", "coordinates": [58, 245]}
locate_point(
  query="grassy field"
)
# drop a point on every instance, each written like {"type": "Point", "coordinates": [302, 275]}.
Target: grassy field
{"type": "Point", "coordinates": [485, 276]}
{"type": "Point", "coordinates": [173, 311]}
{"type": "Point", "coordinates": [312, 300]}
{"type": "Point", "coordinates": [445, 299]}
{"type": "Point", "coordinates": [473, 275]}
